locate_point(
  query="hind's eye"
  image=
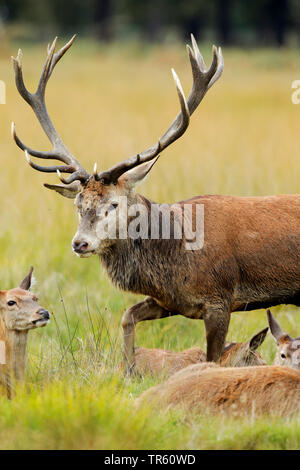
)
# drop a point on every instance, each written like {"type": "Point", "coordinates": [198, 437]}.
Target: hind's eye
{"type": "Point", "coordinates": [283, 356]}
{"type": "Point", "coordinates": [11, 302]}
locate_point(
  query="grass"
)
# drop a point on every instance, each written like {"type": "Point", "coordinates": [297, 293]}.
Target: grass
{"type": "Point", "coordinates": [109, 103]}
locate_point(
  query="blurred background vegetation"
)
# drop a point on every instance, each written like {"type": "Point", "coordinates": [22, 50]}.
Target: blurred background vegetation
{"type": "Point", "coordinates": [255, 23]}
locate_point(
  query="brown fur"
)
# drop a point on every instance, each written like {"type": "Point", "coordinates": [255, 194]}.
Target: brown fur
{"type": "Point", "coordinates": [161, 362]}
{"type": "Point", "coordinates": [15, 323]}
{"type": "Point", "coordinates": [238, 391]}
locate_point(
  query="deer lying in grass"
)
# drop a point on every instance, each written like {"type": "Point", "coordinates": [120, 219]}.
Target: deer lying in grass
{"type": "Point", "coordinates": [19, 313]}
{"type": "Point", "coordinates": [159, 361]}
{"type": "Point", "coordinates": [288, 348]}
{"type": "Point", "coordinates": [206, 387]}
{"type": "Point", "coordinates": [235, 390]}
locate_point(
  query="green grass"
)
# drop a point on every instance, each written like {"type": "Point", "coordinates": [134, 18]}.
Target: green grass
{"type": "Point", "coordinates": [109, 103]}
{"type": "Point", "coordinates": [102, 415]}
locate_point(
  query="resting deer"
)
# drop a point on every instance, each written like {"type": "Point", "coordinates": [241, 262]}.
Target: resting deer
{"type": "Point", "coordinates": [236, 390]}
{"type": "Point", "coordinates": [270, 389]}
{"type": "Point", "coordinates": [288, 348]}
{"type": "Point", "coordinates": [160, 361]}
{"type": "Point", "coordinates": [250, 258]}
{"type": "Point", "coordinates": [19, 313]}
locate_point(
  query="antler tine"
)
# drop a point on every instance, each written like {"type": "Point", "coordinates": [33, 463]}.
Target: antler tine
{"type": "Point", "coordinates": [219, 69]}
{"type": "Point", "coordinates": [51, 60]}
{"type": "Point", "coordinates": [48, 169]}
{"type": "Point", "coordinates": [17, 63]}
{"type": "Point", "coordinates": [203, 79]}
{"type": "Point", "coordinates": [95, 172]}
{"type": "Point", "coordinates": [180, 124]}
{"type": "Point", "coordinates": [76, 176]}
{"type": "Point", "coordinates": [198, 55]}
{"type": "Point", "coordinates": [37, 103]}
{"type": "Point", "coordinates": [45, 75]}
{"type": "Point", "coordinates": [34, 153]}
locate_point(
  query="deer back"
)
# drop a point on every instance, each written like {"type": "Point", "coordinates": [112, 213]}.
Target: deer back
{"type": "Point", "coordinates": [239, 391]}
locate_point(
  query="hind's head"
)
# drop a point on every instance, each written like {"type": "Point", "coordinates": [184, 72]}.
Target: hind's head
{"type": "Point", "coordinates": [19, 308]}
{"type": "Point", "coordinates": [244, 354]}
{"type": "Point", "coordinates": [288, 348]}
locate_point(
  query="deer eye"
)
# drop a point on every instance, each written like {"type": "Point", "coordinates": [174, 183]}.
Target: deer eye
{"type": "Point", "coordinates": [283, 356]}
{"type": "Point", "coordinates": [11, 302]}
{"type": "Point", "coordinates": [111, 207]}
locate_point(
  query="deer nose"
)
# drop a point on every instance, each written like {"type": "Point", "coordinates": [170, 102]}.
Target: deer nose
{"type": "Point", "coordinates": [44, 314]}
{"type": "Point", "coordinates": [79, 246]}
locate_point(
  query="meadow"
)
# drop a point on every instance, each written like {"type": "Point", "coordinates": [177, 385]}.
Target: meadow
{"type": "Point", "coordinates": [109, 103]}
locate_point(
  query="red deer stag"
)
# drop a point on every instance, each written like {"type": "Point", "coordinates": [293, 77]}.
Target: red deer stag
{"type": "Point", "coordinates": [250, 258]}
{"type": "Point", "coordinates": [164, 362]}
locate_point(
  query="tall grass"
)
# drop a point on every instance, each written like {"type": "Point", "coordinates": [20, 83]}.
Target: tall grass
{"type": "Point", "coordinates": [109, 103]}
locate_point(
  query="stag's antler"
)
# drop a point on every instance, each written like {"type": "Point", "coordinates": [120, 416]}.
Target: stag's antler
{"type": "Point", "coordinates": [203, 79]}
{"type": "Point", "coordinates": [37, 102]}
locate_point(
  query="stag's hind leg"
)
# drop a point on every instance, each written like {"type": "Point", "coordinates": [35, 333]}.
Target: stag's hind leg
{"type": "Point", "coordinates": [148, 309]}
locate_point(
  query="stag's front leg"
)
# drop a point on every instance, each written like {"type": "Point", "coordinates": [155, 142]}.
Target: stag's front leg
{"type": "Point", "coordinates": [148, 309]}
{"type": "Point", "coordinates": [216, 325]}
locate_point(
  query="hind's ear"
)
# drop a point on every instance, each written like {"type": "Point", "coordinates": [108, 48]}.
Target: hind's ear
{"type": "Point", "coordinates": [70, 191]}
{"type": "Point", "coordinates": [258, 339]}
{"type": "Point", "coordinates": [2, 295]}
{"type": "Point", "coordinates": [26, 283]}
{"type": "Point", "coordinates": [275, 327]}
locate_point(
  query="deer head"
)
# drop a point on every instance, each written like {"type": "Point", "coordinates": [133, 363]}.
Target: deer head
{"type": "Point", "coordinates": [288, 349]}
{"type": "Point", "coordinates": [19, 308]}
{"type": "Point", "coordinates": [98, 194]}
{"type": "Point", "coordinates": [244, 354]}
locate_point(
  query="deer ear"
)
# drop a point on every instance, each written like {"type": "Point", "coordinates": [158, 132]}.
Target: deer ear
{"type": "Point", "coordinates": [135, 176]}
{"type": "Point", "coordinates": [2, 298]}
{"type": "Point", "coordinates": [274, 326]}
{"type": "Point", "coordinates": [258, 339]}
{"type": "Point", "coordinates": [70, 191]}
{"type": "Point", "coordinates": [26, 283]}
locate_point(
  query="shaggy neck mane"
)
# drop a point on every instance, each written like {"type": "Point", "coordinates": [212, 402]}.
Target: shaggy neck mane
{"type": "Point", "coordinates": [143, 265]}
